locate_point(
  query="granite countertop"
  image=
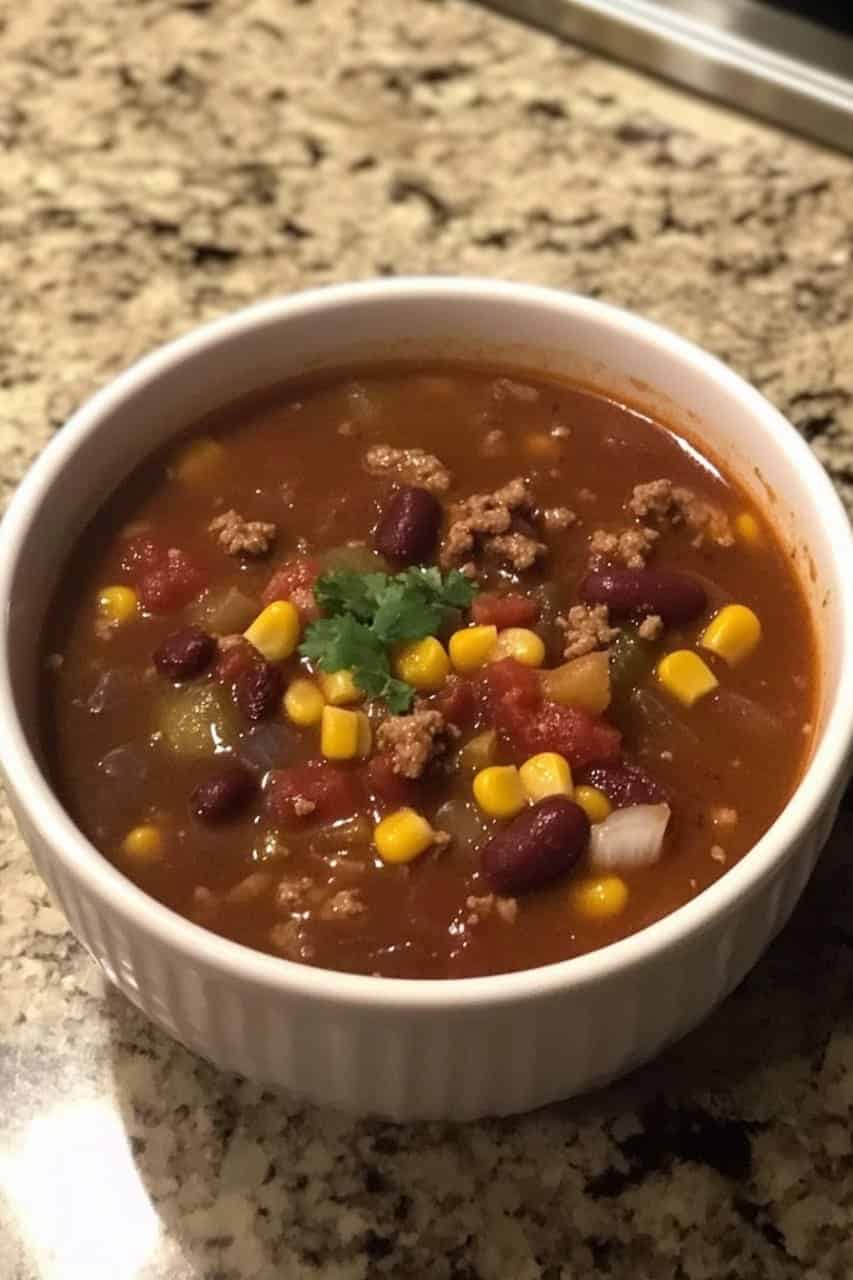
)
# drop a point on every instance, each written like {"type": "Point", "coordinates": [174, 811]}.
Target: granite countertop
{"type": "Point", "coordinates": [166, 161]}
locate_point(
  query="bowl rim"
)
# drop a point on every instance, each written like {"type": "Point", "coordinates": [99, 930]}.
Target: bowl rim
{"type": "Point", "coordinates": [234, 961]}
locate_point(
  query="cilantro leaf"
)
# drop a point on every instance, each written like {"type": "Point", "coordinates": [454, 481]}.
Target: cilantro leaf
{"type": "Point", "coordinates": [370, 612]}
{"type": "Point", "coordinates": [339, 642]}
{"type": "Point", "coordinates": [404, 615]}
{"type": "Point", "coordinates": [398, 696]}
{"type": "Point", "coordinates": [453, 590]}
{"type": "Point", "coordinates": [458, 591]}
{"type": "Point", "coordinates": [321, 643]}
{"type": "Point", "coordinates": [344, 591]}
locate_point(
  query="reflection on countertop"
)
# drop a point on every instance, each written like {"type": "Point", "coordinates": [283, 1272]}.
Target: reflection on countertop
{"type": "Point", "coordinates": [76, 1194]}
{"type": "Point", "coordinates": [171, 161]}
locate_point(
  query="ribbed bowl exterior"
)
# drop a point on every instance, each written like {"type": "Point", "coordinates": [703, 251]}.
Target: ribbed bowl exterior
{"type": "Point", "coordinates": [459, 1049]}
{"type": "Point", "coordinates": [427, 1064]}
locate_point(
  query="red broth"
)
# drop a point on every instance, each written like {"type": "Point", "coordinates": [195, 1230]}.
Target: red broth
{"type": "Point", "coordinates": [175, 754]}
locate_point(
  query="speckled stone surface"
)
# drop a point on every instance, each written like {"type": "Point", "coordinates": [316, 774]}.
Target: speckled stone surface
{"type": "Point", "coordinates": [165, 162]}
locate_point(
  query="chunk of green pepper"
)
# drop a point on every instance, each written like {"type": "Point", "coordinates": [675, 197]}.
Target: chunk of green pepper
{"type": "Point", "coordinates": [631, 662]}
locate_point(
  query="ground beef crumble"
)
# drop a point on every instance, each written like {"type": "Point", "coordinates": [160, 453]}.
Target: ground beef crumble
{"type": "Point", "coordinates": [480, 908]}
{"type": "Point", "coordinates": [415, 740]}
{"type": "Point", "coordinates": [250, 888]}
{"type": "Point", "coordinates": [494, 443]}
{"type": "Point", "coordinates": [287, 938]}
{"type": "Point", "coordinates": [651, 628]}
{"type": "Point", "coordinates": [630, 547]}
{"type": "Point", "coordinates": [486, 520]}
{"type": "Point", "coordinates": [410, 465]}
{"type": "Point", "coordinates": [238, 537]}
{"type": "Point", "coordinates": [342, 905]}
{"type": "Point", "coordinates": [556, 519]}
{"type": "Point", "coordinates": [303, 807]}
{"type": "Point", "coordinates": [586, 628]}
{"type": "Point", "coordinates": [508, 388]}
{"type": "Point", "coordinates": [519, 550]}
{"type": "Point", "coordinates": [666, 502]}
{"type": "Point", "coordinates": [290, 891]}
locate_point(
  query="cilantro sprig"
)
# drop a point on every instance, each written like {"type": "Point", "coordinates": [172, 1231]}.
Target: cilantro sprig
{"type": "Point", "coordinates": [368, 613]}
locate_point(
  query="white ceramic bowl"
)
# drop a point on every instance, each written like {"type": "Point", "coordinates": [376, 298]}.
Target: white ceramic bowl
{"type": "Point", "coordinates": [439, 1049]}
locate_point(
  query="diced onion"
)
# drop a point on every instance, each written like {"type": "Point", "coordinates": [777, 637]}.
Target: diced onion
{"type": "Point", "coordinates": [462, 821]}
{"type": "Point", "coordinates": [269, 746]}
{"type": "Point", "coordinates": [113, 688]}
{"type": "Point", "coordinates": [629, 838]}
{"type": "Point", "coordinates": [224, 611]}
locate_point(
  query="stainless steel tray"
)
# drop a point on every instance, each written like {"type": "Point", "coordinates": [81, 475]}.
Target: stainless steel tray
{"type": "Point", "coordinates": [748, 55]}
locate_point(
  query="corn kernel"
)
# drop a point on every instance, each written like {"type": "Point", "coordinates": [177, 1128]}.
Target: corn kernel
{"type": "Point", "coordinates": [546, 774]}
{"type": "Point", "coordinates": [424, 664]}
{"type": "Point", "coordinates": [479, 751]}
{"type": "Point", "coordinates": [733, 634]}
{"type": "Point", "coordinates": [200, 463]}
{"type": "Point", "coordinates": [343, 734]}
{"type": "Point", "coordinates": [470, 648]}
{"type": "Point", "coordinates": [684, 675]}
{"type": "Point", "coordinates": [303, 702]}
{"type": "Point", "coordinates": [275, 631]}
{"type": "Point", "coordinates": [143, 843]}
{"type": "Point", "coordinates": [498, 791]}
{"type": "Point", "coordinates": [594, 803]}
{"type": "Point", "coordinates": [365, 734]}
{"type": "Point", "coordinates": [403, 836]}
{"type": "Point", "coordinates": [600, 898]}
{"type": "Point", "coordinates": [339, 688]}
{"type": "Point", "coordinates": [748, 529]}
{"type": "Point", "coordinates": [520, 643]}
{"type": "Point", "coordinates": [117, 604]}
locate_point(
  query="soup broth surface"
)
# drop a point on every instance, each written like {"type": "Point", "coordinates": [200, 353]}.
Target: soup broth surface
{"type": "Point", "coordinates": [288, 860]}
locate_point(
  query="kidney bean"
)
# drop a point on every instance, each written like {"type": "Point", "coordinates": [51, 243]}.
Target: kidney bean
{"type": "Point", "coordinates": [258, 690]}
{"type": "Point", "coordinates": [235, 657]}
{"type": "Point", "coordinates": [543, 842]}
{"type": "Point", "coordinates": [625, 784]}
{"type": "Point", "coordinates": [409, 526]}
{"type": "Point", "coordinates": [223, 795]}
{"type": "Point", "coordinates": [676, 597]}
{"type": "Point", "coordinates": [185, 653]}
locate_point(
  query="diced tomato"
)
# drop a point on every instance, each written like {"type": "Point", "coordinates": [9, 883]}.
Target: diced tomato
{"type": "Point", "coordinates": [141, 554]}
{"type": "Point", "coordinates": [232, 662]}
{"type": "Point", "coordinates": [510, 610]}
{"type": "Point", "coordinates": [334, 793]}
{"type": "Point", "coordinates": [580, 737]}
{"type": "Point", "coordinates": [509, 677]}
{"type": "Point", "coordinates": [625, 784]}
{"type": "Point", "coordinates": [456, 700]}
{"type": "Point", "coordinates": [389, 789]}
{"type": "Point", "coordinates": [166, 578]}
{"type": "Point", "coordinates": [294, 580]}
{"type": "Point", "coordinates": [171, 584]}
